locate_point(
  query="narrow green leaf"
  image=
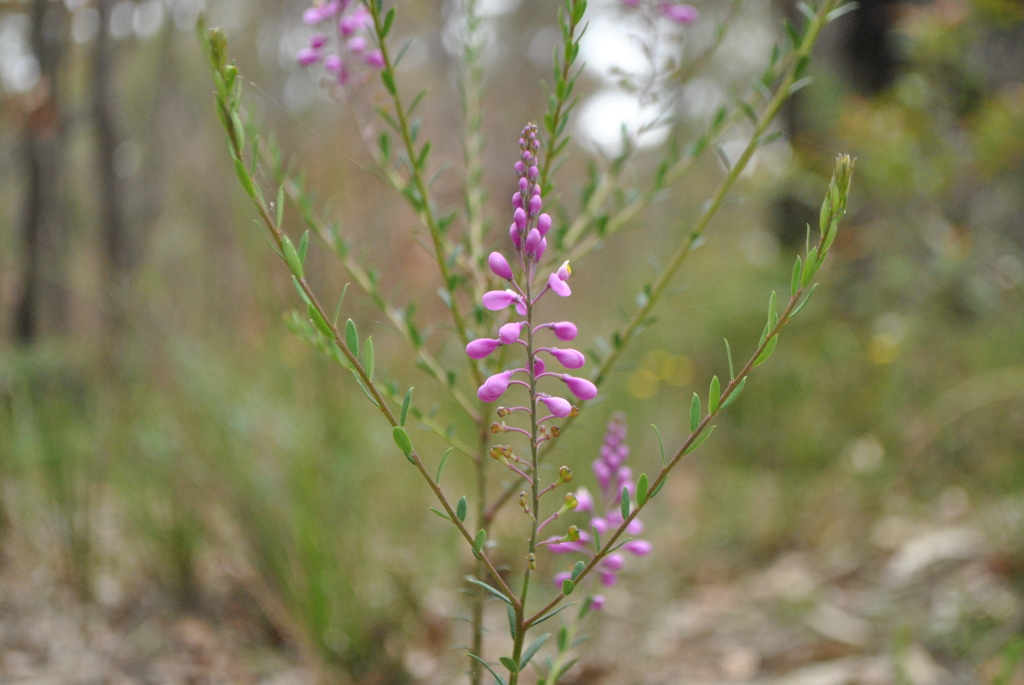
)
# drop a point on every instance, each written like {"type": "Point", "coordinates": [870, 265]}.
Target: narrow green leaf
{"type": "Point", "coordinates": [389, 18]}
{"type": "Point", "coordinates": [478, 542]}
{"type": "Point", "coordinates": [440, 468]}
{"type": "Point", "coordinates": [474, 657]}
{"type": "Point", "coordinates": [508, 663]}
{"type": "Point", "coordinates": [533, 649]}
{"type": "Point", "coordinates": [337, 310]}
{"type": "Point", "coordinates": [368, 357]}
{"type": "Point", "coordinates": [624, 505]}
{"type": "Point", "coordinates": [389, 81]}
{"type": "Point", "coordinates": [562, 671]}
{"type": "Point", "coordinates": [810, 266]}
{"type": "Point", "coordinates": [660, 444]}
{"type": "Point", "coordinates": [303, 247]}
{"type": "Point", "coordinates": [402, 439]}
{"type": "Point", "coordinates": [405, 407]}
{"type": "Point", "coordinates": [773, 305]}
{"type": "Point", "coordinates": [461, 507]}
{"type": "Point", "coordinates": [728, 352]}
{"type": "Point", "coordinates": [568, 586]}
{"type": "Point", "coordinates": [767, 351]}
{"type": "Point", "coordinates": [511, 621]}
{"type": "Point", "coordinates": [291, 257]}
{"type": "Point", "coordinates": [794, 283]}
{"type": "Point", "coordinates": [641, 490]}
{"type": "Point", "coordinates": [279, 207]}
{"type": "Point", "coordinates": [597, 537]}
{"type": "Point", "coordinates": [441, 514]}
{"type": "Point", "coordinates": [550, 614]}
{"type": "Point", "coordinates": [800, 306]}
{"type": "Point", "coordinates": [352, 337]}
{"type": "Point", "coordinates": [577, 570]}
{"type": "Point", "coordinates": [494, 591]}
{"type": "Point", "coordinates": [318, 321]}
{"type": "Point", "coordinates": [700, 440]}
{"type": "Point", "coordinates": [657, 488]}
{"type": "Point", "coordinates": [694, 412]}
{"type": "Point", "coordinates": [735, 393]}
{"type": "Point", "coordinates": [714, 395]}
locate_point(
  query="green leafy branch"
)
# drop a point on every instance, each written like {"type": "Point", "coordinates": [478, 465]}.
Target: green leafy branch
{"type": "Point", "coordinates": [228, 92]}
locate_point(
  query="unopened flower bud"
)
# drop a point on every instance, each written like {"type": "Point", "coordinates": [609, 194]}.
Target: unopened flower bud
{"type": "Point", "coordinates": [555, 431]}
{"type": "Point", "coordinates": [572, 535]}
{"type": "Point", "coordinates": [495, 427]}
{"type": "Point", "coordinates": [564, 475]}
{"type": "Point", "coordinates": [574, 412]}
{"type": "Point", "coordinates": [570, 503]}
{"type": "Point", "coordinates": [503, 412]}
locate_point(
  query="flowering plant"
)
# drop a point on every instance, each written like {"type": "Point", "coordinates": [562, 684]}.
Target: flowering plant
{"type": "Point", "coordinates": [538, 264]}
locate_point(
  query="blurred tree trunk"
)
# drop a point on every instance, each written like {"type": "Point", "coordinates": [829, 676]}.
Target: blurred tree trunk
{"type": "Point", "coordinates": [111, 220]}
{"type": "Point", "coordinates": [41, 154]}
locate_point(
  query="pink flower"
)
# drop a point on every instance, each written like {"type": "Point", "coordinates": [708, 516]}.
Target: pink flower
{"type": "Point", "coordinates": [356, 44]}
{"type": "Point", "coordinates": [680, 13]}
{"type": "Point", "coordinates": [308, 56]}
{"type": "Point", "coordinates": [544, 224]}
{"type": "Point", "coordinates": [581, 387]}
{"type": "Point", "coordinates": [375, 59]}
{"type": "Point", "coordinates": [510, 332]}
{"type": "Point", "coordinates": [569, 358]}
{"type": "Point", "coordinates": [517, 200]}
{"type": "Point", "coordinates": [608, 578]}
{"type": "Point", "coordinates": [559, 577]}
{"type": "Point", "coordinates": [519, 217]}
{"type": "Point", "coordinates": [538, 366]}
{"type": "Point", "coordinates": [585, 501]}
{"type": "Point", "coordinates": [597, 603]}
{"type": "Point", "coordinates": [533, 241]}
{"type": "Point", "coordinates": [559, 286]}
{"type": "Point", "coordinates": [499, 265]}
{"type": "Point", "coordinates": [513, 233]}
{"type": "Point", "coordinates": [558, 406]}
{"type": "Point", "coordinates": [333, 64]}
{"type": "Point", "coordinates": [499, 299]}
{"type": "Point", "coordinates": [494, 387]}
{"type": "Point", "coordinates": [614, 562]}
{"type": "Point", "coordinates": [564, 330]}
{"type": "Point", "coordinates": [641, 548]}
{"type": "Point", "coordinates": [478, 349]}
{"type": "Point", "coordinates": [317, 41]}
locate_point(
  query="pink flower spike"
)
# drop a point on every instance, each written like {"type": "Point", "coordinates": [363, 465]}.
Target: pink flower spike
{"type": "Point", "coordinates": [520, 218]}
{"type": "Point", "coordinates": [478, 349]}
{"type": "Point", "coordinates": [517, 200]}
{"type": "Point", "coordinates": [569, 358]}
{"type": "Point", "coordinates": [564, 330]}
{"type": "Point", "coordinates": [559, 286]}
{"type": "Point", "coordinates": [513, 233]}
{"type": "Point", "coordinates": [559, 577]}
{"type": "Point", "coordinates": [356, 44]}
{"type": "Point", "coordinates": [375, 59]}
{"type": "Point", "coordinates": [641, 548]}
{"type": "Point", "coordinates": [581, 387]}
{"type": "Point", "coordinates": [499, 265]}
{"type": "Point", "coordinates": [538, 366]}
{"type": "Point", "coordinates": [544, 223]}
{"type": "Point", "coordinates": [540, 248]}
{"type": "Point", "coordinates": [614, 562]}
{"type": "Point", "coordinates": [494, 387]}
{"type": "Point", "coordinates": [308, 56]}
{"type": "Point", "coordinates": [496, 300]}
{"type": "Point", "coordinates": [510, 332]}
{"type": "Point", "coordinates": [333, 64]}
{"type": "Point", "coordinates": [680, 14]}
{"type": "Point", "coordinates": [596, 602]}
{"type": "Point", "coordinates": [559, 407]}
{"type": "Point", "coordinates": [532, 241]}
{"type": "Point", "coordinates": [608, 578]}
{"type": "Point", "coordinates": [317, 41]}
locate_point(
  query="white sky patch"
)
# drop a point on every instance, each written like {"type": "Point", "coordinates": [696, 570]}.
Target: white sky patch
{"type": "Point", "coordinates": [603, 114]}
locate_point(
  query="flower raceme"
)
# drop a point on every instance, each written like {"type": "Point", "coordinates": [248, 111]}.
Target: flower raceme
{"type": "Point", "coordinates": [345, 42]}
{"type": "Point", "coordinates": [528, 233]}
{"type": "Point", "coordinates": [612, 477]}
